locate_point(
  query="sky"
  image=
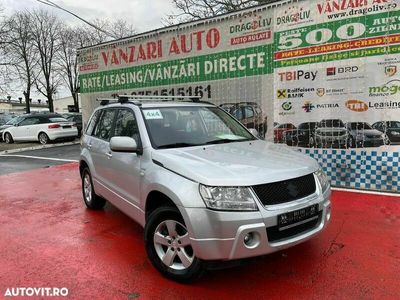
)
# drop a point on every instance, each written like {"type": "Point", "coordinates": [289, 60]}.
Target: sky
{"type": "Point", "coordinates": [145, 15]}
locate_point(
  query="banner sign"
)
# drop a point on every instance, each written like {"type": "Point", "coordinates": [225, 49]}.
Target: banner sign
{"type": "Point", "coordinates": [321, 76]}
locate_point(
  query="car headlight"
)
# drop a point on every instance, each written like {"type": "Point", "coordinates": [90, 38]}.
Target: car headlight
{"type": "Point", "coordinates": [228, 198]}
{"type": "Point", "coordinates": [395, 133]}
{"type": "Point", "coordinates": [323, 179]}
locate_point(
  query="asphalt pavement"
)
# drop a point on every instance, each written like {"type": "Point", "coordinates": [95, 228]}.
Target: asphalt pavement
{"type": "Point", "coordinates": [36, 159]}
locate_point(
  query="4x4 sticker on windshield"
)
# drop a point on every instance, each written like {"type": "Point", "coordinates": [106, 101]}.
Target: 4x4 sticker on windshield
{"type": "Point", "coordinates": [152, 114]}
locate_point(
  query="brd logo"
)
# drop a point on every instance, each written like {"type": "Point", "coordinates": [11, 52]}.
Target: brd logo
{"type": "Point", "coordinates": [357, 105]}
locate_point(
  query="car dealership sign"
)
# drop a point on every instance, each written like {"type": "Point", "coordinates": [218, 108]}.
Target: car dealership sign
{"type": "Point", "coordinates": [298, 62]}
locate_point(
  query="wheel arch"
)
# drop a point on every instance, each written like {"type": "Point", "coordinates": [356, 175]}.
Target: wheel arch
{"type": "Point", "coordinates": [157, 199]}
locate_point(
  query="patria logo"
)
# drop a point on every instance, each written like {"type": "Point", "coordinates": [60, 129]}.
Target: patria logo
{"type": "Point", "coordinates": [251, 22]}
{"type": "Point", "coordinates": [389, 89]}
{"type": "Point", "coordinates": [292, 15]}
{"type": "Point", "coordinates": [308, 106]}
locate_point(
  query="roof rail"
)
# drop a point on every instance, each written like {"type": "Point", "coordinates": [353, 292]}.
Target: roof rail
{"type": "Point", "coordinates": [139, 99]}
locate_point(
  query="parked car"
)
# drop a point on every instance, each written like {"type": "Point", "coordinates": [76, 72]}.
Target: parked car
{"type": "Point", "coordinates": [363, 135]}
{"type": "Point", "coordinates": [249, 114]}
{"type": "Point", "coordinates": [303, 135]}
{"type": "Point", "coordinates": [331, 133]}
{"type": "Point", "coordinates": [9, 123]}
{"type": "Point", "coordinates": [4, 118]}
{"type": "Point", "coordinates": [279, 132]}
{"type": "Point", "coordinates": [77, 119]}
{"type": "Point", "coordinates": [203, 193]}
{"type": "Point", "coordinates": [390, 128]}
{"type": "Point", "coordinates": [40, 127]}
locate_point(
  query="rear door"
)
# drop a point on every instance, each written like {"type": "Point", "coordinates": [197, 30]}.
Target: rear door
{"type": "Point", "coordinates": [100, 149]}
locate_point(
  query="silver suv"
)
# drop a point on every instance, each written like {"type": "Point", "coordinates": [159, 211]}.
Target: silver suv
{"type": "Point", "coordinates": [202, 185]}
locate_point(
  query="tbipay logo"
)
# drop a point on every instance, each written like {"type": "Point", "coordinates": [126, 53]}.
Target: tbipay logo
{"type": "Point", "coordinates": [389, 89]}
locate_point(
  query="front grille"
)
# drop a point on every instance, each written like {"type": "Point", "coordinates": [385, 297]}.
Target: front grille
{"type": "Point", "coordinates": [286, 190]}
{"type": "Point", "coordinates": [275, 235]}
{"type": "Point", "coordinates": [331, 133]}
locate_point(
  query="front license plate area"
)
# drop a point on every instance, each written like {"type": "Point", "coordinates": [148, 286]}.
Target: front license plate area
{"type": "Point", "coordinates": [297, 216]}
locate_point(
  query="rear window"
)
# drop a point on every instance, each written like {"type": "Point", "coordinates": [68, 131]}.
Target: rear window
{"type": "Point", "coordinates": [54, 120]}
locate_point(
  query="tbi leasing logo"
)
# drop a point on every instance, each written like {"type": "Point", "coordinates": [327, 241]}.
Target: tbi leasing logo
{"type": "Point", "coordinates": [356, 105]}
{"type": "Point", "coordinates": [297, 75]}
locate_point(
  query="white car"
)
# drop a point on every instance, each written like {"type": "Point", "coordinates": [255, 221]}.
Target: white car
{"type": "Point", "coordinates": [40, 127]}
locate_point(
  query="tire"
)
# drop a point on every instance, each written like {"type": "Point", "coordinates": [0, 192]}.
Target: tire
{"type": "Point", "coordinates": [8, 138]}
{"type": "Point", "coordinates": [165, 236]}
{"type": "Point", "coordinates": [43, 138]}
{"type": "Point", "coordinates": [90, 198]}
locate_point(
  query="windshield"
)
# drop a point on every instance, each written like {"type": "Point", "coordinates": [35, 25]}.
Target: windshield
{"type": "Point", "coordinates": [331, 123]}
{"type": "Point", "coordinates": [15, 121]}
{"type": "Point", "coordinates": [172, 127]}
{"type": "Point", "coordinates": [358, 126]}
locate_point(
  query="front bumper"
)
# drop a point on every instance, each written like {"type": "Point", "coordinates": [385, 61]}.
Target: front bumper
{"type": "Point", "coordinates": [218, 235]}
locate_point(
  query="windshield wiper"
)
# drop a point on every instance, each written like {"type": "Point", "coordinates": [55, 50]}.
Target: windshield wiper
{"type": "Point", "coordinates": [176, 145]}
{"type": "Point", "coordinates": [223, 141]}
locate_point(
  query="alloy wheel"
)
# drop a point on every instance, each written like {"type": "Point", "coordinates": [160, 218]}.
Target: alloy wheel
{"type": "Point", "coordinates": [87, 188]}
{"type": "Point", "coordinates": [172, 245]}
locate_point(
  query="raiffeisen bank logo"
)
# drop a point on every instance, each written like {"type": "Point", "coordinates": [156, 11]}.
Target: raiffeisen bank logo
{"type": "Point", "coordinates": [294, 15]}
{"type": "Point", "coordinates": [391, 88]}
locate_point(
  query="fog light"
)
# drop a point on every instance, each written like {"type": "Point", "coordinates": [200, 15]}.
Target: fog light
{"type": "Point", "coordinates": [248, 238]}
{"type": "Point", "coordinates": [251, 239]}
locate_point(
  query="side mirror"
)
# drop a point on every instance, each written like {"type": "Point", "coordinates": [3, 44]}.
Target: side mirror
{"type": "Point", "coordinates": [254, 132]}
{"type": "Point", "coordinates": [123, 144]}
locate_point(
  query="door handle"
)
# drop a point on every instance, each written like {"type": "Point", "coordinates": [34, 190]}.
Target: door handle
{"type": "Point", "coordinates": [108, 154]}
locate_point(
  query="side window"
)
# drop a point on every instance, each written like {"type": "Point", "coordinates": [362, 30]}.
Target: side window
{"type": "Point", "coordinates": [103, 129]}
{"type": "Point", "coordinates": [93, 121]}
{"type": "Point", "coordinates": [249, 113]}
{"type": "Point", "coordinates": [30, 121]}
{"type": "Point", "coordinates": [126, 125]}
{"type": "Point", "coordinates": [237, 113]}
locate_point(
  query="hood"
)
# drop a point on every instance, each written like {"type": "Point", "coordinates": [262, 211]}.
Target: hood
{"type": "Point", "coordinates": [236, 164]}
{"type": "Point", "coordinates": [2, 127]}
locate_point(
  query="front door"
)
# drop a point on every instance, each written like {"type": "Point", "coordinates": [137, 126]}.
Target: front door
{"type": "Point", "coordinates": [125, 167]}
